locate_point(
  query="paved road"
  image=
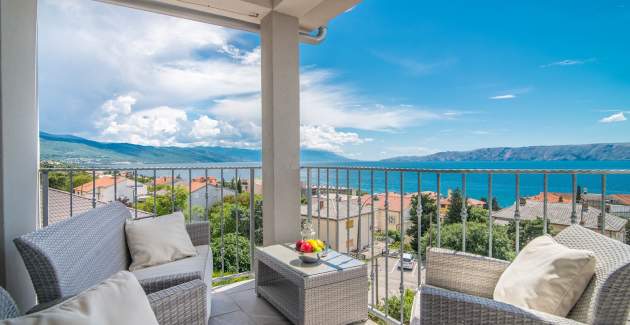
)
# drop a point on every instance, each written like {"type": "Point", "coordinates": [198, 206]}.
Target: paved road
{"type": "Point", "coordinates": [390, 277]}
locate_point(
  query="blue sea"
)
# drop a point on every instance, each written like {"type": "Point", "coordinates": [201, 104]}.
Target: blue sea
{"type": "Point", "coordinates": [503, 187]}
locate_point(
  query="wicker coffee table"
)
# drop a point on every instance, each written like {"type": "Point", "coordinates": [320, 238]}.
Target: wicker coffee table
{"type": "Point", "coordinates": [333, 291]}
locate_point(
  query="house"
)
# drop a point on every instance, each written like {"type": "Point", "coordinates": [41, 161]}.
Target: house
{"type": "Point", "coordinates": [258, 188]}
{"type": "Point", "coordinates": [198, 187]}
{"type": "Point", "coordinates": [59, 206]}
{"type": "Point", "coordinates": [559, 216]}
{"type": "Point", "coordinates": [109, 188]}
{"type": "Point", "coordinates": [340, 227]}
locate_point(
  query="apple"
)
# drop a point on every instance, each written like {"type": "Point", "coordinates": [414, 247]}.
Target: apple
{"type": "Point", "coordinates": [306, 247]}
{"type": "Point", "coordinates": [298, 244]}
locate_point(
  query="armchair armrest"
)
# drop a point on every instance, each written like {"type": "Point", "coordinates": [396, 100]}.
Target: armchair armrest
{"type": "Point", "coordinates": [462, 272]}
{"type": "Point", "coordinates": [182, 304]}
{"type": "Point", "coordinates": [199, 233]}
{"type": "Point", "coordinates": [439, 306]}
{"type": "Point", "coordinates": [159, 283]}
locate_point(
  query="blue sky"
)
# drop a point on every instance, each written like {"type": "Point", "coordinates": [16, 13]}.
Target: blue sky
{"type": "Point", "coordinates": [388, 80]}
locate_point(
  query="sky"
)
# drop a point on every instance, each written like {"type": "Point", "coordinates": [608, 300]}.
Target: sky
{"type": "Point", "coordinates": [413, 79]}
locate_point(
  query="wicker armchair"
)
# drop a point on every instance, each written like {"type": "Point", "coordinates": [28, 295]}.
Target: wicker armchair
{"type": "Point", "coordinates": [459, 287]}
{"type": "Point", "coordinates": [8, 309]}
{"type": "Point", "coordinates": [70, 256]}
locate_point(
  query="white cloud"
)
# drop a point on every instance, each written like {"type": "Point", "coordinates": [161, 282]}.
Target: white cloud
{"type": "Point", "coordinates": [326, 138]}
{"type": "Point", "coordinates": [506, 96]}
{"type": "Point", "coordinates": [414, 66]}
{"type": "Point", "coordinates": [568, 62]}
{"type": "Point", "coordinates": [617, 117]}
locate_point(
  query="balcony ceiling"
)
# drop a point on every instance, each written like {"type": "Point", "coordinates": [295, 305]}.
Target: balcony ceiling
{"type": "Point", "coordinates": [310, 13]}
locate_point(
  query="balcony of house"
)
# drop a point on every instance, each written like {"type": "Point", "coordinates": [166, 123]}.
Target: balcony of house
{"type": "Point", "coordinates": [383, 223]}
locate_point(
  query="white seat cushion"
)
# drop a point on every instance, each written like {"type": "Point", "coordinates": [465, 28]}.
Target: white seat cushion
{"type": "Point", "coordinates": [118, 300]}
{"type": "Point", "coordinates": [201, 263]}
{"type": "Point", "coordinates": [156, 241]}
{"type": "Point", "coordinates": [546, 276]}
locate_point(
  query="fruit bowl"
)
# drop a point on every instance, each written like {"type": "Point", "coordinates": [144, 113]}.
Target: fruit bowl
{"type": "Point", "coordinates": [308, 257]}
{"type": "Point", "coordinates": [310, 250]}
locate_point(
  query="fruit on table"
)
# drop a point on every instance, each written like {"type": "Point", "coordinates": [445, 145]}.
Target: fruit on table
{"type": "Point", "coordinates": [306, 247]}
{"type": "Point", "coordinates": [310, 245]}
{"type": "Point", "coordinates": [298, 244]}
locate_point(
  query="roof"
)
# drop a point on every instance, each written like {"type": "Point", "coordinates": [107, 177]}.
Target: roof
{"type": "Point", "coordinates": [623, 199]}
{"type": "Point", "coordinates": [101, 182]}
{"type": "Point", "coordinates": [393, 198]}
{"type": "Point", "coordinates": [163, 180]}
{"type": "Point", "coordinates": [560, 213]}
{"type": "Point", "coordinates": [552, 197]}
{"type": "Point", "coordinates": [59, 205]}
{"type": "Point", "coordinates": [198, 183]}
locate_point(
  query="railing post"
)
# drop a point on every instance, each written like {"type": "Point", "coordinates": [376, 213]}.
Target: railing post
{"type": "Point", "coordinates": [309, 189]}
{"type": "Point", "coordinates": [517, 214]}
{"type": "Point", "coordinates": [374, 258]}
{"type": "Point", "coordinates": [252, 219]}
{"type": "Point", "coordinates": [545, 202]}
{"type": "Point", "coordinates": [464, 212]}
{"type": "Point", "coordinates": [386, 246]}
{"type": "Point", "coordinates": [135, 193]}
{"type": "Point", "coordinates": [573, 198]}
{"type": "Point", "coordinates": [45, 186]}
{"type": "Point", "coordinates": [419, 217]}
{"type": "Point", "coordinates": [402, 245]}
{"type": "Point", "coordinates": [115, 172]}
{"type": "Point", "coordinates": [205, 211]}
{"type": "Point", "coordinates": [437, 212]}
{"type": "Point", "coordinates": [359, 203]}
{"type": "Point", "coordinates": [222, 226]}
{"type": "Point", "coordinates": [319, 216]}
{"type": "Point", "coordinates": [236, 180]}
{"type": "Point", "coordinates": [190, 216]}
{"type": "Point", "coordinates": [490, 220]}
{"type": "Point", "coordinates": [173, 197]}
{"type": "Point", "coordinates": [155, 214]}
{"type": "Point", "coordinates": [337, 235]}
{"type": "Point", "coordinates": [602, 216]}
{"type": "Point", "coordinates": [93, 188]}
{"type": "Point", "coordinates": [71, 191]}
{"type": "Point", "coordinates": [328, 207]}
{"type": "Point", "coordinates": [347, 211]}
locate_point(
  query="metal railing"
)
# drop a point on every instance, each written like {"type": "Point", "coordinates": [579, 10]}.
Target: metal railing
{"type": "Point", "coordinates": [334, 188]}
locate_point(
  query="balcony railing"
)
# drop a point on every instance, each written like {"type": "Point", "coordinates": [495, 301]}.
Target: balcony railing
{"type": "Point", "coordinates": [345, 206]}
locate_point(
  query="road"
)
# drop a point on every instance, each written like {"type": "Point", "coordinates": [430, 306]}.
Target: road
{"type": "Point", "coordinates": [388, 279]}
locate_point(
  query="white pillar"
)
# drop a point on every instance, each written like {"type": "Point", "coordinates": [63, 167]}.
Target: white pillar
{"type": "Point", "coordinates": [19, 148]}
{"type": "Point", "coordinates": [280, 128]}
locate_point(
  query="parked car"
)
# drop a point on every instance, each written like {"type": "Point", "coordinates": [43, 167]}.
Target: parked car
{"type": "Point", "coordinates": [407, 261]}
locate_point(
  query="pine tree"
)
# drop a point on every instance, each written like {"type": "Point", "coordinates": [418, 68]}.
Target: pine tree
{"type": "Point", "coordinates": [428, 215]}
{"type": "Point", "coordinates": [454, 214]}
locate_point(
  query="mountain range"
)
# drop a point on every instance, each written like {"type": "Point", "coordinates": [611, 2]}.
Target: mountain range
{"type": "Point", "coordinates": [69, 148]}
{"type": "Point", "coordinates": [581, 152]}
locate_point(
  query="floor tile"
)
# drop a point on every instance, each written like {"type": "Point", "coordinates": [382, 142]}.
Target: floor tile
{"type": "Point", "coordinates": [222, 304]}
{"type": "Point", "coordinates": [252, 305]}
{"type": "Point", "coordinates": [233, 318]}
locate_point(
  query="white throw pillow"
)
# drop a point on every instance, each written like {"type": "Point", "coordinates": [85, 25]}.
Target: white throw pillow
{"type": "Point", "coordinates": [118, 300]}
{"type": "Point", "coordinates": [156, 241]}
{"type": "Point", "coordinates": [546, 276]}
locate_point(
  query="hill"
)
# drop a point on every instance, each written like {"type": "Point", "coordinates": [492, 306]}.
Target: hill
{"type": "Point", "coordinates": [582, 152]}
{"type": "Point", "coordinates": [75, 149]}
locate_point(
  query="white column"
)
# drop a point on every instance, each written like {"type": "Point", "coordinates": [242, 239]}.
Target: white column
{"type": "Point", "coordinates": [280, 128]}
{"type": "Point", "coordinates": [19, 148]}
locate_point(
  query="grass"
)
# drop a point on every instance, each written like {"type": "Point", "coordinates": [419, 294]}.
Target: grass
{"type": "Point", "coordinates": [217, 274]}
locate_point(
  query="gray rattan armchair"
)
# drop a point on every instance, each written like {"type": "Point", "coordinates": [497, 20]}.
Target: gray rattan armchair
{"type": "Point", "coordinates": [8, 309]}
{"type": "Point", "coordinates": [459, 287]}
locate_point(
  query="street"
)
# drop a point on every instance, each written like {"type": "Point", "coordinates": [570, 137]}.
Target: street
{"type": "Point", "coordinates": [388, 277]}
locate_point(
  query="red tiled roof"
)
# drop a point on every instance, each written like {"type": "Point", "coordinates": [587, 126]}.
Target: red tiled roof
{"type": "Point", "coordinates": [553, 197]}
{"type": "Point", "coordinates": [623, 199]}
{"type": "Point", "coordinates": [101, 182]}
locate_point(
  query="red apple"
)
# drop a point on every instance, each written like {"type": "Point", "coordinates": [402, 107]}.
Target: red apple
{"type": "Point", "coordinates": [298, 244]}
{"type": "Point", "coordinates": [306, 247]}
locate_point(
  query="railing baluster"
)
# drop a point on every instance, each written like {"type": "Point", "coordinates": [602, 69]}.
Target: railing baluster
{"type": "Point", "coordinates": [309, 195]}
{"type": "Point", "coordinates": [236, 181]}
{"type": "Point", "coordinates": [490, 220]}
{"type": "Point", "coordinates": [135, 193]}
{"type": "Point", "coordinates": [222, 226]}
{"type": "Point", "coordinates": [71, 191]}
{"type": "Point", "coordinates": [359, 203]}
{"type": "Point", "coordinates": [155, 192]}
{"type": "Point", "coordinates": [437, 213]}
{"type": "Point", "coordinates": [602, 216]}
{"type": "Point", "coordinates": [190, 216]}
{"type": "Point", "coordinates": [573, 198]}
{"type": "Point", "coordinates": [386, 247]}
{"type": "Point", "coordinates": [252, 219]}
{"type": "Point", "coordinates": [45, 187]}
{"type": "Point", "coordinates": [464, 212]}
{"type": "Point", "coordinates": [205, 211]}
{"type": "Point", "coordinates": [319, 217]}
{"type": "Point", "coordinates": [517, 214]}
{"type": "Point", "coordinates": [93, 188]}
{"type": "Point", "coordinates": [347, 211]}
{"type": "Point", "coordinates": [337, 235]}
{"type": "Point", "coordinates": [115, 186]}
{"type": "Point", "coordinates": [545, 202]}
{"type": "Point", "coordinates": [328, 207]}
{"type": "Point", "coordinates": [419, 217]}
{"type": "Point", "coordinates": [172, 190]}
{"type": "Point", "coordinates": [402, 245]}
{"type": "Point", "coordinates": [373, 259]}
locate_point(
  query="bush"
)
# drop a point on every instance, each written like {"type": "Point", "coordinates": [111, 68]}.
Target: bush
{"type": "Point", "coordinates": [393, 306]}
{"type": "Point", "coordinates": [232, 242]}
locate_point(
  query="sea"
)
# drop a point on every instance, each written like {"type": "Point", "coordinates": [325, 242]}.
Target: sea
{"type": "Point", "coordinates": [503, 185]}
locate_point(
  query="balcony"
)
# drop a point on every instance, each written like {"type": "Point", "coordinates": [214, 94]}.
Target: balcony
{"type": "Point", "coordinates": [356, 210]}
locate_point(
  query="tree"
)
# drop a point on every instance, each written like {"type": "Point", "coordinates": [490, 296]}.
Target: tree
{"type": "Point", "coordinates": [233, 245]}
{"type": "Point", "coordinates": [454, 213]}
{"type": "Point", "coordinates": [476, 239]}
{"type": "Point", "coordinates": [578, 194]}
{"type": "Point", "coordinates": [428, 214]}
{"type": "Point", "coordinates": [61, 180]}
{"type": "Point", "coordinates": [495, 203]}
{"type": "Point", "coordinates": [164, 202]}
{"type": "Point", "coordinates": [529, 229]}
{"type": "Point", "coordinates": [232, 205]}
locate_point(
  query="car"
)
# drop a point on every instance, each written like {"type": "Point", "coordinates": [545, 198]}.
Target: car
{"type": "Point", "coordinates": [407, 261]}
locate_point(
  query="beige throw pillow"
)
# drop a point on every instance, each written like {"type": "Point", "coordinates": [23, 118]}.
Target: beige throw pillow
{"type": "Point", "coordinates": [546, 276]}
{"type": "Point", "coordinates": [118, 300]}
{"type": "Point", "coordinates": [156, 241]}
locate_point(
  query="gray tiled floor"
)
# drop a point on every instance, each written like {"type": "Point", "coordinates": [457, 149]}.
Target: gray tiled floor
{"type": "Point", "coordinates": [237, 304]}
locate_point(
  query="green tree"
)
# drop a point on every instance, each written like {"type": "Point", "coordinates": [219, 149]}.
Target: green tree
{"type": "Point", "coordinates": [529, 229]}
{"type": "Point", "coordinates": [477, 214]}
{"type": "Point", "coordinates": [233, 245]}
{"type": "Point", "coordinates": [476, 239]}
{"type": "Point", "coordinates": [61, 180]}
{"type": "Point", "coordinates": [454, 213]}
{"type": "Point", "coordinates": [495, 203]}
{"type": "Point", "coordinates": [231, 205]}
{"type": "Point", "coordinates": [428, 214]}
{"type": "Point", "coordinates": [164, 202]}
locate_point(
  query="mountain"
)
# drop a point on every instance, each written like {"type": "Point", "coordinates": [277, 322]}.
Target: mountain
{"type": "Point", "coordinates": [75, 149]}
{"type": "Point", "coordinates": [592, 152]}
